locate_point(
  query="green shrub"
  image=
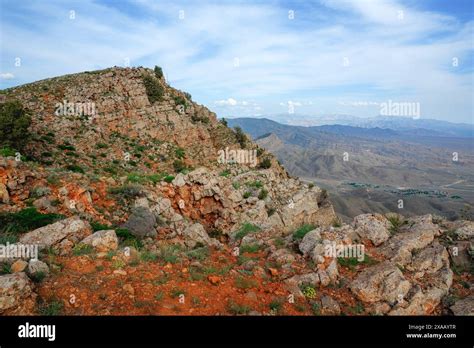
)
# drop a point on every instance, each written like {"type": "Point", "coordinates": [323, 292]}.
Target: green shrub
{"type": "Point", "coordinates": [52, 308]}
{"type": "Point", "coordinates": [82, 249]}
{"type": "Point", "coordinates": [179, 166]}
{"type": "Point", "coordinates": [266, 163]}
{"type": "Point", "coordinates": [97, 226]}
{"type": "Point", "coordinates": [75, 168]}
{"type": "Point", "coordinates": [224, 121]}
{"type": "Point", "coordinates": [154, 89]}
{"type": "Point", "coordinates": [158, 72]}
{"type": "Point", "coordinates": [263, 194]}
{"type": "Point", "coordinates": [126, 191]}
{"type": "Point", "coordinates": [247, 194]}
{"type": "Point", "coordinates": [168, 178]}
{"type": "Point", "coordinates": [7, 152]}
{"type": "Point", "coordinates": [26, 220]}
{"type": "Point", "coordinates": [245, 230]}
{"type": "Point", "coordinates": [179, 152]}
{"type": "Point", "coordinates": [14, 124]}
{"type": "Point", "coordinates": [302, 231]}
{"type": "Point", "coordinates": [237, 309]}
{"type": "Point", "coordinates": [240, 137]}
{"type": "Point", "coordinates": [225, 173]}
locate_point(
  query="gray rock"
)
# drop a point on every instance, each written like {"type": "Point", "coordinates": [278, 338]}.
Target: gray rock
{"type": "Point", "coordinates": [329, 306]}
{"type": "Point", "coordinates": [37, 268]}
{"type": "Point", "coordinates": [382, 282]}
{"type": "Point", "coordinates": [373, 227]}
{"type": "Point", "coordinates": [464, 306]}
{"type": "Point", "coordinates": [309, 241]}
{"type": "Point", "coordinates": [141, 223]}
{"type": "Point", "coordinates": [102, 241]}
{"type": "Point", "coordinates": [16, 294]}
{"type": "Point", "coordinates": [60, 236]}
{"type": "Point", "coordinates": [195, 234]}
{"type": "Point", "coordinates": [465, 231]}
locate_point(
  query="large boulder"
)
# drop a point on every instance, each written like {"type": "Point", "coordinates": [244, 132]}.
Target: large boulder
{"type": "Point", "coordinates": [309, 241]}
{"type": "Point", "coordinates": [465, 230]}
{"type": "Point", "coordinates": [380, 283]}
{"type": "Point", "coordinates": [60, 236]}
{"type": "Point", "coordinates": [464, 306]}
{"type": "Point", "coordinates": [141, 223]}
{"type": "Point", "coordinates": [429, 260]}
{"type": "Point", "coordinates": [16, 295]}
{"type": "Point", "coordinates": [424, 301]}
{"type": "Point", "coordinates": [102, 241]}
{"type": "Point", "coordinates": [4, 196]}
{"type": "Point", "coordinates": [195, 234]}
{"type": "Point", "coordinates": [400, 247]}
{"type": "Point", "coordinates": [374, 227]}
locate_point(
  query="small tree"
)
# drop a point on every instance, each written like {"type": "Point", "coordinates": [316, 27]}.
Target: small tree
{"type": "Point", "coordinates": [158, 72]}
{"type": "Point", "coordinates": [154, 89]}
{"type": "Point", "coordinates": [14, 123]}
{"type": "Point", "coordinates": [224, 121]}
{"type": "Point", "coordinates": [240, 136]}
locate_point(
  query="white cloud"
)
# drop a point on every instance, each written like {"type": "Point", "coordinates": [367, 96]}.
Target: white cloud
{"type": "Point", "coordinates": [7, 76]}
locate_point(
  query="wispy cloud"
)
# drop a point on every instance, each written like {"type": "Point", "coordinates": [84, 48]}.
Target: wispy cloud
{"type": "Point", "coordinates": [331, 56]}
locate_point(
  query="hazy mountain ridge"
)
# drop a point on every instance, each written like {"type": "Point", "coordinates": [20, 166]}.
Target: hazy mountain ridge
{"type": "Point", "coordinates": [392, 161]}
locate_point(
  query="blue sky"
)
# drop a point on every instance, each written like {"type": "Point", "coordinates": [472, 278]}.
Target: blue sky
{"type": "Point", "coordinates": [253, 58]}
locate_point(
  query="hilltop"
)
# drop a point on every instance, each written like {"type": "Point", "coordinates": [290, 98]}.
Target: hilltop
{"type": "Point", "coordinates": [142, 202]}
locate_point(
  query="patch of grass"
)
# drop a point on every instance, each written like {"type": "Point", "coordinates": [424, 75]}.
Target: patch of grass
{"type": "Point", "coordinates": [127, 191]}
{"type": "Point", "coordinates": [357, 309]}
{"type": "Point", "coordinates": [5, 268]}
{"type": "Point", "coordinates": [250, 248]}
{"type": "Point", "coordinates": [169, 178]}
{"type": "Point", "coordinates": [128, 239]}
{"type": "Point", "coordinates": [256, 184]}
{"type": "Point", "coordinates": [148, 256]}
{"type": "Point", "coordinates": [237, 309]}
{"type": "Point", "coordinates": [263, 194]}
{"type": "Point", "coordinates": [170, 254]}
{"type": "Point", "coordinates": [236, 185]}
{"type": "Point", "coordinates": [247, 194]}
{"type": "Point", "coordinates": [179, 153]}
{"type": "Point", "coordinates": [175, 292]}
{"type": "Point", "coordinates": [395, 223]}
{"type": "Point", "coordinates": [26, 220]}
{"type": "Point", "coordinates": [245, 230]}
{"type": "Point", "coordinates": [75, 168]}
{"type": "Point", "coordinates": [179, 166]}
{"type": "Point", "coordinates": [316, 308]}
{"type": "Point", "coordinates": [245, 283]}
{"type": "Point", "coordinates": [198, 253]}
{"type": "Point", "coordinates": [82, 249]}
{"type": "Point", "coordinates": [97, 226]}
{"type": "Point", "coordinates": [336, 222]}
{"type": "Point", "coordinates": [352, 262]}
{"type": "Point", "coordinates": [38, 277]}
{"type": "Point", "coordinates": [302, 231]}
{"type": "Point", "coordinates": [159, 296]}
{"type": "Point", "coordinates": [53, 308]}
{"type": "Point", "coordinates": [161, 280]}
{"type": "Point", "coordinates": [118, 264]}
{"type": "Point", "coordinates": [276, 305]}
{"type": "Point", "coordinates": [225, 173]}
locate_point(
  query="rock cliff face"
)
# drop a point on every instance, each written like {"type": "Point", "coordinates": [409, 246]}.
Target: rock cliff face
{"type": "Point", "coordinates": [126, 184]}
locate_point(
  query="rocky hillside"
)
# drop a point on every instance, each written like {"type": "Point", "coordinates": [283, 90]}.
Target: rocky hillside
{"type": "Point", "coordinates": [123, 190]}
